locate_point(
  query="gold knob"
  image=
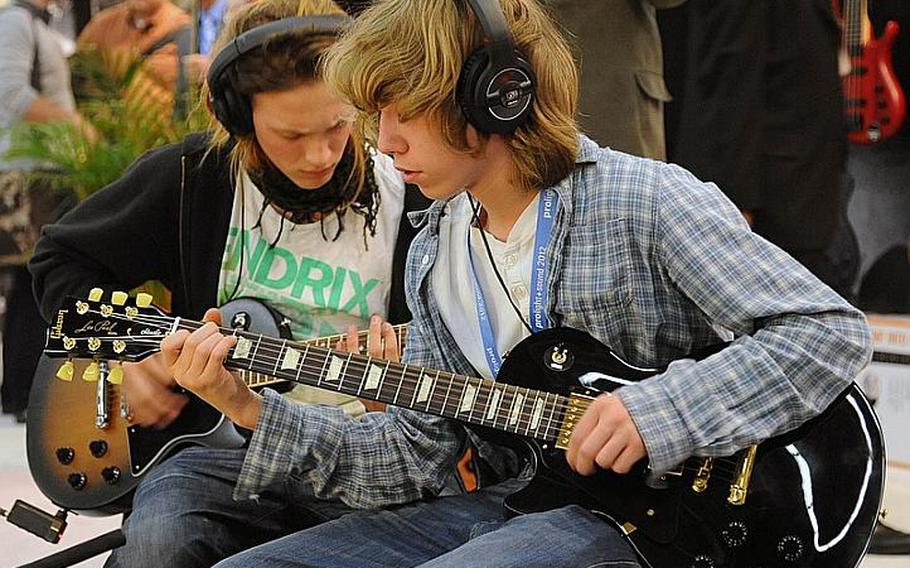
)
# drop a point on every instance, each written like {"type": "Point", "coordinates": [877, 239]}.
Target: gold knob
{"type": "Point", "coordinates": [65, 372]}
{"type": "Point", "coordinates": [144, 299]}
{"type": "Point", "coordinates": [91, 373]}
{"type": "Point", "coordinates": [115, 376]}
{"type": "Point", "coordinates": [119, 297]}
{"type": "Point", "coordinates": [95, 294]}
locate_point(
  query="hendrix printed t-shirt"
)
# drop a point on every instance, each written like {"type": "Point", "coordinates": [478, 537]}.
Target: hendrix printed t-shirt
{"type": "Point", "coordinates": [321, 285]}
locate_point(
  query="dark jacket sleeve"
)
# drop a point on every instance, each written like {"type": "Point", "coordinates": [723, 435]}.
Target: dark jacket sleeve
{"type": "Point", "coordinates": [120, 237]}
{"type": "Point", "coordinates": [414, 200]}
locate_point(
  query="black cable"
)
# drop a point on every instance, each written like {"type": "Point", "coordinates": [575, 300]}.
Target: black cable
{"type": "Point", "coordinates": [475, 206]}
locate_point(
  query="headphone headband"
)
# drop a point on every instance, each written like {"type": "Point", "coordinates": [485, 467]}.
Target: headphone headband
{"type": "Point", "coordinates": [231, 108]}
{"type": "Point", "coordinates": [496, 86]}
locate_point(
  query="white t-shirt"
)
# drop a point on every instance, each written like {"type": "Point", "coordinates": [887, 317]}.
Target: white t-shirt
{"type": "Point", "coordinates": [455, 293]}
{"type": "Point", "coordinates": [321, 285]}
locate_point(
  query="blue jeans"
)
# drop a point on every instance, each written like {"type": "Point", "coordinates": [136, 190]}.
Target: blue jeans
{"type": "Point", "coordinates": [450, 532]}
{"type": "Point", "coordinates": [184, 516]}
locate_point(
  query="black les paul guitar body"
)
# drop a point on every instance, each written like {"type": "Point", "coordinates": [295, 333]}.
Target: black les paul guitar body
{"type": "Point", "coordinates": [809, 498]}
{"type": "Point", "coordinates": [812, 499]}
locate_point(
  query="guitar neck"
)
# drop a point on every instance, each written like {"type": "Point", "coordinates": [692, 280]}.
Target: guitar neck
{"type": "Point", "coordinates": [516, 410]}
{"type": "Point", "coordinates": [854, 16]}
{"type": "Point", "coordinates": [256, 379]}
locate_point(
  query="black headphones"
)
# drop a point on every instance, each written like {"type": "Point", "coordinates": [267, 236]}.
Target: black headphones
{"type": "Point", "coordinates": [496, 85]}
{"type": "Point", "coordinates": [232, 109]}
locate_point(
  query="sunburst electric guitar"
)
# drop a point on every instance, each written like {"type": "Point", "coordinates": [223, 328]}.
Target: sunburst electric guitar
{"type": "Point", "coordinates": [808, 498]}
{"type": "Point", "coordinates": [84, 454]}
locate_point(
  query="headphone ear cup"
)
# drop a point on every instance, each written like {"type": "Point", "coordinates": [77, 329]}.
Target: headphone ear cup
{"type": "Point", "coordinates": [241, 115]}
{"type": "Point", "coordinates": [515, 85]}
{"type": "Point", "coordinates": [469, 91]}
{"type": "Point", "coordinates": [230, 108]}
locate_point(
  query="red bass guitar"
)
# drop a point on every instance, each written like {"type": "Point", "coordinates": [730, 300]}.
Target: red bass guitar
{"type": "Point", "coordinates": [874, 103]}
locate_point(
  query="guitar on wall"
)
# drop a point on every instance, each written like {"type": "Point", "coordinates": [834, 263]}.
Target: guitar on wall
{"type": "Point", "coordinates": [83, 452]}
{"type": "Point", "coordinates": [874, 103]}
{"type": "Point", "coordinates": [808, 498]}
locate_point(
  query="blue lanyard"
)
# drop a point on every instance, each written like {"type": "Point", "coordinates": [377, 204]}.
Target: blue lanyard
{"type": "Point", "coordinates": [540, 293]}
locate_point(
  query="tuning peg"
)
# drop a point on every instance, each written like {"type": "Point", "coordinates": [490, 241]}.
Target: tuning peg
{"type": "Point", "coordinates": [144, 299]}
{"type": "Point", "coordinates": [91, 373]}
{"type": "Point", "coordinates": [65, 372]}
{"type": "Point", "coordinates": [118, 298]}
{"type": "Point", "coordinates": [115, 376]}
{"type": "Point", "coordinates": [95, 294]}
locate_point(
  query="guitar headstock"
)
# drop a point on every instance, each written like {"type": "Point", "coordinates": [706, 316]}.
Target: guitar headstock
{"type": "Point", "coordinates": [119, 328]}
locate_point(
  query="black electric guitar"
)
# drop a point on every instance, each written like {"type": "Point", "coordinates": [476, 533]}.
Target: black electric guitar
{"type": "Point", "coordinates": [83, 452]}
{"type": "Point", "coordinates": [808, 498]}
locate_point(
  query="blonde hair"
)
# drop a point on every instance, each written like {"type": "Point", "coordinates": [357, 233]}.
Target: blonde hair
{"type": "Point", "coordinates": [283, 62]}
{"type": "Point", "coordinates": [410, 52]}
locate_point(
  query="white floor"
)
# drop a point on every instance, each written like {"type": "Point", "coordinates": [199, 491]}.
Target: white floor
{"type": "Point", "coordinates": [19, 547]}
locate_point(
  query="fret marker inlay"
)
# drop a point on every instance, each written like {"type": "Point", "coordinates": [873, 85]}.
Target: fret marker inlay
{"type": "Point", "coordinates": [516, 408]}
{"type": "Point", "coordinates": [538, 412]}
{"type": "Point", "coordinates": [374, 377]}
{"type": "Point", "coordinates": [291, 359]}
{"type": "Point", "coordinates": [242, 349]}
{"type": "Point", "coordinates": [467, 400]}
{"type": "Point", "coordinates": [334, 368]}
{"type": "Point", "coordinates": [426, 383]}
{"type": "Point", "coordinates": [493, 407]}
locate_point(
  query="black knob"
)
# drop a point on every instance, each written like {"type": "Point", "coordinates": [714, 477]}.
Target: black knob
{"type": "Point", "coordinates": [98, 448]}
{"type": "Point", "coordinates": [790, 548]}
{"type": "Point", "coordinates": [111, 475]}
{"type": "Point", "coordinates": [77, 480]}
{"type": "Point", "coordinates": [702, 561]}
{"type": "Point", "coordinates": [734, 534]}
{"type": "Point", "coordinates": [65, 455]}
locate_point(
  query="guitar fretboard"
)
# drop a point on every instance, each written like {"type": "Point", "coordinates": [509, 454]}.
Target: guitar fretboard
{"type": "Point", "coordinates": [255, 379]}
{"type": "Point", "coordinates": [517, 410]}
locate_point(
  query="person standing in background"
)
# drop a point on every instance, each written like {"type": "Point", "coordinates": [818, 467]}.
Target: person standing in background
{"type": "Point", "coordinates": [622, 83]}
{"type": "Point", "coordinates": [34, 88]}
{"type": "Point", "coordinates": [762, 117]}
{"type": "Point", "coordinates": [147, 29]}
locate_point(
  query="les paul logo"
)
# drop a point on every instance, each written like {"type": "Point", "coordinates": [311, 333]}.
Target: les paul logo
{"type": "Point", "coordinates": [95, 327]}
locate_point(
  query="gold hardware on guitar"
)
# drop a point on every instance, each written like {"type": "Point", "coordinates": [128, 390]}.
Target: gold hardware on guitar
{"type": "Point", "coordinates": [577, 407]}
{"type": "Point", "coordinates": [91, 373]}
{"type": "Point", "coordinates": [700, 483]}
{"type": "Point", "coordinates": [740, 487]}
{"type": "Point", "coordinates": [143, 299]}
{"type": "Point", "coordinates": [65, 372]}
{"type": "Point", "coordinates": [115, 377]}
{"type": "Point", "coordinates": [118, 298]}
{"type": "Point", "coordinates": [95, 294]}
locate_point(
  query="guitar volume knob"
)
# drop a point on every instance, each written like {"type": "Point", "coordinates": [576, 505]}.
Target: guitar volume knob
{"type": "Point", "coordinates": [790, 548]}
{"type": "Point", "coordinates": [111, 475]}
{"type": "Point", "coordinates": [65, 455]}
{"type": "Point", "coordinates": [735, 534]}
{"type": "Point", "coordinates": [702, 561]}
{"type": "Point", "coordinates": [77, 480]}
{"type": "Point", "coordinates": [98, 448]}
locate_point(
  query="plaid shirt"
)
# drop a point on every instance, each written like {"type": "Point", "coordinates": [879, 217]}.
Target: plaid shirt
{"type": "Point", "coordinates": [653, 263]}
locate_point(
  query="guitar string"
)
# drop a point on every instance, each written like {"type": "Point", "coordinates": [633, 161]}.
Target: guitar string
{"type": "Point", "coordinates": [275, 347]}
{"type": "Point", "coordinates": [358, 365]}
